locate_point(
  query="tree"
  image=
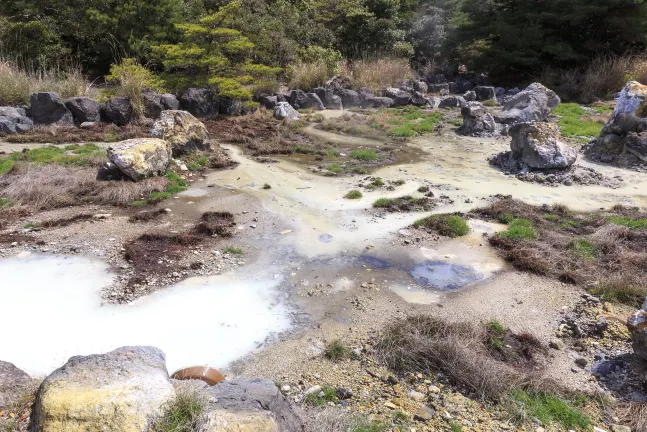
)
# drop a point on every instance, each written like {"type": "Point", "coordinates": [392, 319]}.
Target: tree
{"type": "Point", "coordinates": [211, 53]}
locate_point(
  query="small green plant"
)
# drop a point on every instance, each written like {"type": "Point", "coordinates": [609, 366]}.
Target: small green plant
{"type": "Point", "coordinates": [334, 168]}
{"type": "Point", "coordinates": [233, 250]}
{"type": "Point", "coordinates": [266, 186]}
{"type": "Point", "coordinates": [331, 152]}
{"type": "Point", "coordinates": [583, 248]}
{"type": "Point", "coordinates": [133, 80]}
{"type": "Point", "coordinates": [491, 103]}
{"type": "Point", "coordinates": [6, 164]}
{"type": "Point", "coordinates": [360, 170]}
{"type": "Point", "coordinates": [628, 222]}
{"type": "Point", "coordinates": [520, 229]}
{"type": "Point", "coordinates": [423, 189]}
{"type": "Point", "coordinates": [354, 194]}
{"type": "Point", "coordinates": [337, 351]}
{"type": "Point", "coordinates": [377, 182]}
{"type": "Point", "coordinates": [30, 225]}
{"type": "Point", "coordinates": [185, 413]}
{"type": "Point", "coordinates": [5, 202]}
{"type": "Point", "coordinates": [495, 334]}
{"type": "Point", "coordinates": [398, 182]}
{"type": "Point", "coordinates": [455, 426]}
{"type": "Point", "coordinates": [384, 202]}
{"type": "Point", "coordinates": [548, 408]}
{"type": "Point", "coordinates": [551, 217]}
{"type": "Point", "coordinates": [505, 218]}
{"type": "Point", "coordinates": [447, 225]}
{"type": "Point", "coordinates": [401, 416]}
{"type": "Point", "coordinates": [328, 394]}
{"type": "Point", "coordinates": [365, 155]}
{"type": "Point", "coordinates": [138, 203]}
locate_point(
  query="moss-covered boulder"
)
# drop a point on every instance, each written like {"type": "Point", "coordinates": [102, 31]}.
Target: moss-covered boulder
{"type": "Point", "coordinates": [123, 390]}
{"type": "Point", "coordinates": [182, 131]}
{"type": "Point", "coordinates": [140, 158]}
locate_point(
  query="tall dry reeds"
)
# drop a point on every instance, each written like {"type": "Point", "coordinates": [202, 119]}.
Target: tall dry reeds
{"type": "Point", "coordinates": [379, 73]}
{"type": "Point", "coordinates": [18, 82]}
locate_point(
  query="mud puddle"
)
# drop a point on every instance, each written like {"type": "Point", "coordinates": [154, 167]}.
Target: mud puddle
{"type": "Point", "coordinates": [210, 320]}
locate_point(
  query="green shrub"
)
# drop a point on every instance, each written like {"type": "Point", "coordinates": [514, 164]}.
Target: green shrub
{"type": "Point", "coordinates": [354, 194]}
{"type": "Point", "coordinates": [185, 413]}
{"type": "Point", "coordinates": [583, 248]}
{"type": "Point", "coordinates": [384, 202]}
{"type": "Point", "coordinates": [549, 409]}
{"type": "Point", "coordinates": [377, 182]}
{"type": "Point", "coordinates": [233, 250]}
{"type": "Point", "coordinates": [267, 186]}
{"type": "Point", "coordinates": [520, 229]}
{"type": "Point", "coordinates": [365, 155]}
{"type": "Point", "coordinates": [505, 218]}
{"type": "Point", "coordinates": [337, 351]}
{"type": "Point", "coordinates": [132, 81]}
{"type": "Point", "coordinates": [334, 168]}
{"type": "Point", "coordinates": [447, 225]}
{"type": "Point", "coordinates": [628, 222]}
{"type": "Point", "coordinates": [329, 395]}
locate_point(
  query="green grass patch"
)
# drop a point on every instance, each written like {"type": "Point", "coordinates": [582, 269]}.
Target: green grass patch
{"type": "Point", "coordinates": [377, 182]}
{"type": "Point", "coordinates": [364, 155]}
{"type": "Point", "coordinates": [520, 229]}
{"type": "Point", "coordinates": [354, 194]}
{"type": "Point", "coordinates": [629, 222]}
{"type": "Point", "coordinates": [620, 290]}
{"type": "Point", "coordinates": [334, 168]}
{"type": "Point", "coordinates": [551, 217]}
{"type": "Point", "coordinates": [337, 351]}
{"type": "Point", "coordinates": [505, 218]}
{"type": "Point", "coordinates": [491, 103]}
{"type": "Point", "coordinates": [423, 189]}
{"type": "Point", "coordinates": [233, 250]}
{"type": "Point", "coordinates": [384, 202]}
{"type": "Point", "coordinates": [549, 409]}
{"type": "Point", "coordinates": [455, 427]}
{"type": "Point", "coordinates": [183, 414]}
{"type": "Point", "coordinates": [360, 170]}
{"type": "Point", "coordinates": [329, 395]}
{"type": "Point", "coordinates": [573, 121]}
{"type": "Point", "coordinates": [5, 202]}
{"type": "Point", "coordinates": [6, 164]}
{"type": "Point", "coordinates": [267, 186]}
{"type": "Point", "coordinates": [583, 248]}
{"type": "Point", "coordinates": [398, 182]}
{"type": "Point", "coordinates": [138, 203]}
{"type": "Point", "coordinates": [447, 225]}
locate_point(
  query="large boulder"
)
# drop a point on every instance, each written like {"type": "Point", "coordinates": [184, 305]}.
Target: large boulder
{"type": "Point", "coordinates": [200, 102]}
{"type": "Point", "coordinates": [84, 109]}
{"type": "Point", "coordinates": [230, 106]}
{"type": "Point", "coordinates": [169, 102]}
{"type": "Point", "coordinates": [315, 101]}
{"type": "Point", "coordinates": [349, 98]}
{"type": "Point", "coordinates": [139, 158]}
{"type": "Point", "coordinates": [14, 120]}
{"type": "Point", "coordinates": [534, 104]}
{"type": "Point", "coordinates": [636, 144]}
{"type": "Point", "coordinates": [477, 121]}
{"type": "Point", "coordinates": [14, 383]}
{"type": "Point", "coordinates": [366, 97]}
{"type": "Point", "coordinates": [268, 102]}
{"type": "Point", "coordinates": [299, 99]}
{"type": "Point", "coordinates": [392, 92]}
{"type": "Point", "coordinates": [182, 132]}
{"type": "Point", "coordinates": [484, 93]}
{"type": "Point", "coordinates": [637, 325]}
{"type": "Point", "coordinates": [420, 86]}
{"type": "Point", "coordinates": [402, 98]}
{"type": "Point", "coordinates": [382, 102]}
{"type": "Point", "coordinates": [452, 102]}
{"type": "Point", "coordinates": [284, 111]}
{"type": "Point", "coordinates": [339, 82]}
{"type": "Point", "coordinates": [123, 390]}
{"type": "Point", "coordinates": [335, 103]}
{"type": "Point", "coordinates": [118, 110]}
{"type": "Point", "coordinates": [441, 89]}
{"type": "Point", "coordinates": [419, 100]}
{"type": "Point", "coordinates": [539, 145]}
{"type": "Point", "coordinates": [48, 108]}
{"type": "Point", "coordinates": [257, 400]}
{"type": "Point", "coordinates": [328, 97]}
{"type": "Point", "coordinates": [152, 105]}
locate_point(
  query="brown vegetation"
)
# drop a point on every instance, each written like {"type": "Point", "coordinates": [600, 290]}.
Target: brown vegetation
{"type": "Point", "coordinates": [604, 252]}
{"type": "Point", "coordinates": [52, 186]}
{"type": "Point", "coordinates": [100, 132]}
{"type": "Point", "coordinates": [462, 351]}
{"type": "Point", "coordinates": [634, 414]}
{"type": "Point", "coordinates": [62, 222]}
{"type": "Point", "coordinates": [216, 224]}
{"type": "Point", "coordinates": [146, 216]}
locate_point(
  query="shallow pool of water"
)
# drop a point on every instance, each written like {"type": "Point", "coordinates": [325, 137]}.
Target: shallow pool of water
{"type": "Point", "coordinates": [51, 310]}
{"type": "Point", "coordinates": [444, 276]}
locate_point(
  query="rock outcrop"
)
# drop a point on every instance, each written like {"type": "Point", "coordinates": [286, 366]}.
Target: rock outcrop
{"type": "Point", "coordinates": [14, 383]}
{"type": "Point", "coordinates": [152, 105]}
{"type": "Point", "coordinates": [284, 111]}
{"type": "Point", "coordinates": [478, 122]}
{"type": "Point", "coordinates": [534, 104]}
{"type": "Point", "coordinates": [118, 110]}
{"type": "Point", "coordinates": [637, 325]}
{"type": "Point", "coordinates": [122, 390]}
{"type": "Point", "coordinates": [14, 120]}
{"type": "Point", "coordinates": [140, 157]}
{"type": "Point", "coordinates": [349, 98]}
{"type": "Point", "coordinates": [182, 132]}
{"type": "Point", "coordinates": [484, 93]}
{"type": "Point", "coordinates": [169, 102]}
{"type": "Point", "coordinates": [539, 145]}
{"type": "Point", "coordinates": [84, 109]}
{"type": "Point", "coordinates": [200, 102]}
{"type": "Point", "coordinates": [49, 109]}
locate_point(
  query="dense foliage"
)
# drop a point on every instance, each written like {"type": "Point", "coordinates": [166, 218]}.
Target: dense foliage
{"type": "Point", "coordinates": [227, 43]}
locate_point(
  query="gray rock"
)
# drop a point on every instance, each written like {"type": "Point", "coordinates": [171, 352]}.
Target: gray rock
{"type": "Point", "coordinates": [499, 91]}
{"type": "Point", "coordinates": [202, 103]}
{"type": "Point", "coordinates": [14, 383]}
{"type": "Point", "coordinates": [420, 86]}
{"type": "Point", "coordinates": [449, 102]}
{"type": "Point", "coordinates": [534, 104]}
{"type": "Point", "coordinates": [284, 111]}
{"type": "Point", "coordinates": [425, 414]}
{"type": "Point", "coordinates": [48, 108]}
{"type": "Point", "coordinates": [118, 110]}
{"type": "Point", "coordinates": [581, 362]}
{"type": "Point", "coordinates": [440, 89]}
{"type": "Point", "coordinates": [392, 92]}
{"type": "Point", "coordinates": [484, 93]}
{"type": "Point", "coordinates": [470, 95]}
{"type": "Point", "coordinates": [636, 144]}
{"type": "Point", "coordinates": [539, 145]}
{"type": "Point", "coordinates": [315, 101]}
{"type": "Point", "coordinates": [344, 393]}
{"type": "Point", "coordinates": [87, 125]}
{"type": "Point", "coordinates": [402, 99]}
{"type": "Point", "coordinates": [169, 102]}
{"type": "Point", "coordinates": [335, 103]}
{"type": "Point", "coordinates": [268, 102]}
{"type": "Point", "coordinates": [140, 158]}
{"type": "Point", "coordinates": [366, 97]}
{"type": "Point", "coordinates": [13, 120]}
{"type": "Point", "coordinates": [152, 105]}
{"type": "Point", "coordinates": [84, 109]}
{"type": "Point", "coordinates": [419, 100]}
{"type": "Point", "coordinates": [349, 98]}
{"type": "Point", "coordinates": [253, 394]}
{"type": "Point", "coordinates": [182, 132]}
{"type": "Point", "coordinates": [382, 102]}
{"type": "Point", "coordinates": [477, 121]}
{"type": "Point", "coordinates": [230, 107]}
{"type": "Point", "coordinates": [637, 325]}
{"type": "Point", "coordinates": [124, 388]}
{"type": "Point", "coordinates": [299, 100]}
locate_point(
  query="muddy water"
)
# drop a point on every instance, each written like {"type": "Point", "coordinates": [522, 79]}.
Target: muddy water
{"type": "Point", "coordinates": [57, 313]}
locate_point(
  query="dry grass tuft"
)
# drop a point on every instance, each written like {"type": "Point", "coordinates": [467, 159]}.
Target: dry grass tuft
{"type": "Point", "coordinates": [52, 186]}
{"type": "Point", "coordinates": [634, 414]}
{"type": "Point", "coordinates": [216, 224]}
{"type": "Point", "coordinates": [378, 74]}
{"type": "Point", "coordinates": [307, 76]}
{"type": "Point", "coordinates": [147, 216]}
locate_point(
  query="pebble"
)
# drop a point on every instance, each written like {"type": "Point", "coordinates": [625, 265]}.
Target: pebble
{"type": "Point", "coordinates": [286, 388]}
{"type": "Point", "coordinates": [416, 396]}
{"type": "Point", "coordinates": [313, 389]}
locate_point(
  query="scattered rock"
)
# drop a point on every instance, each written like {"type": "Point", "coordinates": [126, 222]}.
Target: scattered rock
{"type": "Point", "coordinates": [182, 131]}
{"type": "Point", "coordinates": [200, 102]}
{"type": "Point", "coordinates": [534, 104]}
{"type": "Point", "coordinates": [349, 98]}
{"type": "Point", "coordinates": [169, 102]}
{"type": "Point", "coordinates": [344, 393]}
{"type": "Point", "coordinates": [120, 390]}
{"type": "Point", "coordinates": [140, 157]}
{"type": "Point", "coordinates": [424, 414]}
{"type": "Point", "coordinates": [382, 102]}
{"type": "Point", "coordinates": [556, 344]}
{"type": "Point", "coordinates": [637, 325]}
{"type": "Point", "coordinates": [152, 105]}
{"type": "Point", "coordinates": [268, 102]}
{"type": "Point", "coordinates": [284, 111]}
{"type": "Point", "coordinates": [13, 384]}
{"type": "Point", "coordinates": [477, 121]}
{"type": "Point", "coordinates": [13, 120]}
{"type": "Point", "coordinates": [118, 110]}
{"type": "Point", "coordinates": [48, 108]}
{"type": "Point", "coordinates": [84, 109]}
{"type": "Point", "coordinates": [484, 93]}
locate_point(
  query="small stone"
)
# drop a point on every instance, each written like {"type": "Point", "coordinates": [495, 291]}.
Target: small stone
{"type": "Point", "coordinates": [424, 414]}
{"type": "Point", "coordinates": [321, 394]}
{"type": "Point", "coordinates": [608, 307]}
{"type": "Point", "coordinates": [344, 393]}
{"type": "Point", "coordinates": [597, 429]}
{"type": "Point", "coordinates": [285, 388]}
{"type": "Point", "coordinates": [390, 405]}
{"type": "Point", "coordinates": [581, 361]}
{"type": "Point", "coordinates": [416, 396]}
{"type": "Point", "coordinates": [434, 389]}
{"type": "Point", "coordinates": [620, 428]}
{"type": "Point", "coordinates": [557, 344]}
{"type": "Point", "coordinates": [313, 389]}
{"type": "Point", "coordinates": [447, 416]}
